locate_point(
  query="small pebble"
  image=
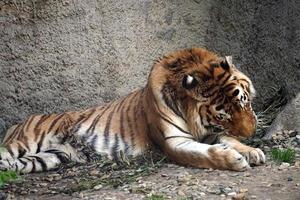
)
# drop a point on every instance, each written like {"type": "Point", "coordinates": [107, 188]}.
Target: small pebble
{"type": "Point", "coordinates": [94, 172]}
{"type": "Point", "coordinates": [292, 133]}
{"type": "Point", "coordinates": [180, 193]}
{"type": "Point", "coordinates": [247, 174]}
{"type": "Point", "coordinates": [232, 194]}
{"type": "Point", "coordinates": [283, 166]}
{"type": "Point", "coordinates": [98, 187]}
{"type": "Point", "coordinates": [243, 190]}
{"type": "Point", "coordinates": [43, 184]}
{"type": "Point", "coordinates": [239, 196]}
{"type": "Point", "coordinates": [202, 194]}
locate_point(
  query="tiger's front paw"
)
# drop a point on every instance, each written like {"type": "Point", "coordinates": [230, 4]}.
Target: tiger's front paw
{"type": "Point", "coordinates": [225, 157]}
{"type": "Point", "coordinates": [254, 156]}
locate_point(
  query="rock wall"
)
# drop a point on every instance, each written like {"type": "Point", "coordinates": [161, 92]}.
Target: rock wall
{"type": "Point", "coordinates": [71, 54]}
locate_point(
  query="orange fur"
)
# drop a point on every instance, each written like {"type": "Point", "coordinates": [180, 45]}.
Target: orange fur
{"type": "Point", "coordinates": [189, 93]}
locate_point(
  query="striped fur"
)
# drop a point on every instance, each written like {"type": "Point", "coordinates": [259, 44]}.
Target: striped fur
{"type": "Point", "coordinates": [191, 96]}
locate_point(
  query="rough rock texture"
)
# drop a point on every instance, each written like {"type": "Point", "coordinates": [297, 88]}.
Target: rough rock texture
{"type": "Point", "coordinates": [288, 119]}
{"type": "Point", "coordinates": [70, 54]}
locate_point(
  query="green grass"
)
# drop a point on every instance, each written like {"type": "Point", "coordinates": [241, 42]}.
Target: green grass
{"type": "Point", "coordinates": [7, 176]}
{"type": "Point", "coordinates": [156, 197]}
{"type": "Point", "coordinates": [283, 155]}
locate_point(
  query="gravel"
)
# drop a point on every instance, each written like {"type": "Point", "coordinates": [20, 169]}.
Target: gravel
{"type": "Point", "coordinates": [153, 176]}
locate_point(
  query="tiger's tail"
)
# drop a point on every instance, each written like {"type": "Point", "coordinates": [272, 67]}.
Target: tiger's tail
{"type": "Point", "coordinates": [42, 161]}
{"type": "Point", "coordinates": [32, 147]}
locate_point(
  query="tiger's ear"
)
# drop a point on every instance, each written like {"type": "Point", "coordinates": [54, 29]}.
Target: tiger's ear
{"type": "Point", "coordinates": [174, 64]}
{"type": "Point", "coordinates": [226, 63]}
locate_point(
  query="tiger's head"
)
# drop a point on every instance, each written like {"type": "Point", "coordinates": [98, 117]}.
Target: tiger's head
{"type": "Point", "coordinates": [207, 91]}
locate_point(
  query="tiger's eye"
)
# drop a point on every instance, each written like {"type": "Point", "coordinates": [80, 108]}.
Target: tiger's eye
{"type": "Point", "coordinates": [236, 92]}
{"type": "Point", "coordinates": [189, 82]}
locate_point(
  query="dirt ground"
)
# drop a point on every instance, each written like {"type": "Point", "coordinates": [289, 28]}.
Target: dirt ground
{"type": "Point", "coordinates": [157, 180]}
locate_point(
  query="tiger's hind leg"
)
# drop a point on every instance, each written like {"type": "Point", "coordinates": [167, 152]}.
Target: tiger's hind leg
{"type": "Point", "coordinates": [42, 161]}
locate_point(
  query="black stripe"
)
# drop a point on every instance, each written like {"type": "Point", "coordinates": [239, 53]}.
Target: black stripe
{"type": "Point", "coordinates": [41, 161]}
{"type": "Point", "coordinates": [201, 114]}
{"type": "Point", "coordinates": [178, 136]}
{"type": "Point", "coordinates": [159, 111]}
{"type": "Point", "coordinates": [91, 129]}
{"type": "Point", "coordinates": [170, 99]}
{"type": "Point", "coordinates": [208, 119]}
{"type": "Point", "coordinates": [42, 119]}
{"type": "Point", "coordinates": [33, 166]}
{"type": "Point", "coordinates": [115, 148]}
{"type": "Point", "coordinates": [40, 143]}
{"type": "Point", "coordinates": [12, 134]}
{"type": "Point", "coordinates": [83, 119]}
{"type": "Point", "coordinates": [210, 91]}
{"type": "Point", "coordinates": [159, 130]}
{"type": "Point", "coordinates": [121, 104]}
{"type": "Point", "coordinates": [126, 147]}
{"type": "Point", "coordinates": [212, 67]}
{"type": "Point", "coordinates": [107, 127]}
{"type": "Point", "coordinates": [8, 148]}
{"type": "Point", "coordinates": [130, 123]}
{"type": "Point", "coordinates": [220, 76]}
{"type": "Point", "coordinates": [208, 109]}
{"type": "Point", "coordinates": [55, 121]}
{"type": "Point", "coordinates": [17, 167]}
{"type": "Point", "coordinates": [29, 121]}
{"type": "Point", "coordinates": [225, 80]}
{"type": "Point", "coordinates": [23, 162]}
{"type": "Point", "coordinates": [153, 137]}
{"type": "Point", "coordinates": [135, 112]}
{"type": "Point", "coordinates": [94, 140]}
{"type": "Point", "coordinates": [214, 100]}
{"type": "Point", "coordinates": [62, 156]}
{"type": "Point", "coordinates": [21, 151]}
{"type": "Point", "coordinates": [122, 123]}
{"type": "Point", "coordinates": [229, 87]}
{"type": "Point", "coordinates": [242, 79]}
{"type": "Point", "coordinates": [122, 131]}
{"type": "Point", "coordinates": [210, 139]}
{"type": "Point", "coordinates": [20, 134]}
{"type": "Point", "coordinates": [185, 141]}
{"type": "Point", "coordinates": [175, 125]}
{"type": "Point", "coordinates": [25, 142]}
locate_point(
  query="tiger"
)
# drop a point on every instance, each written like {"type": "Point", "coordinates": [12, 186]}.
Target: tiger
{"type": "Point", "coordinates": [195, 108]}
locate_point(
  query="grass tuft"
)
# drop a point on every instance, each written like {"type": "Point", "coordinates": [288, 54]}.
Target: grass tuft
{"type": "Point", "coordinates": [283, 155]}
{"type": "Point", "coordinates": [126, 171]}
{"type": "Point", "coordinates": [270, 111]}
{"type": "Point", "coordinates": [156, 197]}
{"type": "Point", "coordinates": [7, 176]}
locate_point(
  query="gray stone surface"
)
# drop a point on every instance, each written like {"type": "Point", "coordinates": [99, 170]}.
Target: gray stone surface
{"type": "Point", "coordinates": [287, 119]}
{"type": "Point", "coordinates": [71, 54]}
